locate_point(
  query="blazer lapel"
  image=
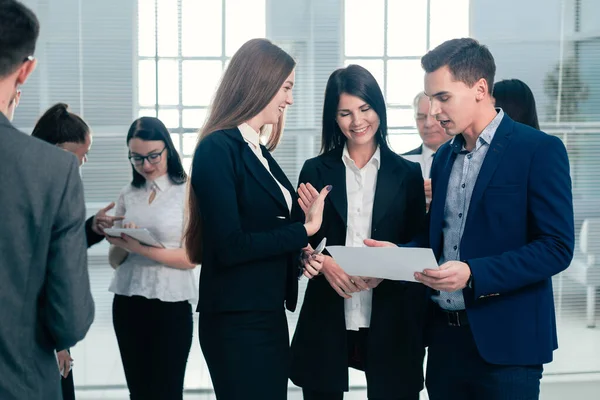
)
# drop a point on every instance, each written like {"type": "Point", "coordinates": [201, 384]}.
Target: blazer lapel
{"type": "Point", "coordinates": [333, 172]}
{"type": "Point", "coordinates": [279, 175]}
{"type": "Point", "coordinates": [389, 178]}
{"type": "Point", "coordinates": [258, 170]}
{"type": "Point", "coordinates": [491, 161]}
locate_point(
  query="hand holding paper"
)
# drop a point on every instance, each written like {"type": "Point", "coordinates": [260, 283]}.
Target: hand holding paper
{"type": "Point", "coordinates": [449, 277]}
{"type": "Point", "coordinates": [383, 260]}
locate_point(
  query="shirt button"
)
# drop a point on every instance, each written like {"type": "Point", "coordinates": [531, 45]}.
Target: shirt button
{"type": "Point", "coordinates": [463, 185]}
{"type": "Point", "coordinates": [455, 247]}
{"type": "Point", "coordinates": [460, 215]}
{"type": "Point", "coordinates": [469, 156]}
{"type": "Point", "coordinates": [448, 301]}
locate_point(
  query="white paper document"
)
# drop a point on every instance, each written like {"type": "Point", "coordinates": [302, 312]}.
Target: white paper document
{"type": "Point", "coordinates": [394, 263]}
{"type": "Point", "coordinates": [140, 234]}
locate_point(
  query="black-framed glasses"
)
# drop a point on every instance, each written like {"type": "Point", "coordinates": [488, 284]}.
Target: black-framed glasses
{"type": "Point", "coordinates": [153, 158]}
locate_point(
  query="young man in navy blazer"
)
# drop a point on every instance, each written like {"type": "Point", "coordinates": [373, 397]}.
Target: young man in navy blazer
{"type": "Point", "coordinates": [501, 225]}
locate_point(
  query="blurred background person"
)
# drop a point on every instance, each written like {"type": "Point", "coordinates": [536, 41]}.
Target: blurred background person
{"type": "Point", "coordinates": [433, 136]}
{"type": "Point", "coordinates": [516, 99]}
{"type": "Point", "coordinates": [241, 228]}
{"type": "Point", "coordinates": [60, 127]}
{"type": "Point", "coordinates": [153, 287]}
{"type": "Point", "coordinates": [369, 324]}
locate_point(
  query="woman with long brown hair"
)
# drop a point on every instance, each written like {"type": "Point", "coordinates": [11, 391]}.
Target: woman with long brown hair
{"type": "Point", "coordinates": [240, 228]}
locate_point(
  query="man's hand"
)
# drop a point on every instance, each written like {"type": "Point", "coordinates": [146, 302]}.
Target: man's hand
{"type": "Point", "coordinates": [64, 362]}
{"type": "Point", "coordinates": [428, 190]}
{"type": "Point", "coordinates": [102, 221]}
{"type": "Point", "coordinates": [428, 193]}
{"type": "Point", "coordinates": [449, 277]}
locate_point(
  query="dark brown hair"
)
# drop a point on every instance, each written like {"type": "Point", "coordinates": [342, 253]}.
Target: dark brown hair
{"type": "Point", "coordinates": [355, 81]}
{"type": "Point", "coordinates": [58, 125]}
{"type": "Point", "coordinates": [467, 60]}
{"type": "Point", "coordinates": [19, 31]}
{"type": "Point", "coordinates": [150, 128]}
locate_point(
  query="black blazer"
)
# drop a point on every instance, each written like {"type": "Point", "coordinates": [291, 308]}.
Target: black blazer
{"type": "Point", "coordinates": [250, 244]}
{"type": "Point", "coordinates": [91, 236]}
{"type": "Point", "coordinates": [395, 345]}
{"type": "Point", "coordinates": [418, 150]}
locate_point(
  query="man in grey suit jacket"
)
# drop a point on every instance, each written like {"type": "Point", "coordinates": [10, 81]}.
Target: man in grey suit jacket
{"type": "Point", "coordinates": [45, 299]}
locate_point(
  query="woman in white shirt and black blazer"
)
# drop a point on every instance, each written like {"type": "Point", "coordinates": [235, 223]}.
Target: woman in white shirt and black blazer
{"type": "Point", "coordinates": [241, 230]}
{"type": "Point", "coordinates": [153, 287]}
{"type": "Point", "coordinates": [372, 325]}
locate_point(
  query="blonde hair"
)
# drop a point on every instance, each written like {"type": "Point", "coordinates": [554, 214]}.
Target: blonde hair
{"type": "Point", "coordinates": [255, 74]}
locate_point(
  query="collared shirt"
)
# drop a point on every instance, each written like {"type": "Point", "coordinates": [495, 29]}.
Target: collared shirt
{"type": "Point", "coordinates": [360, 192]}
{"type": "Point", "coordinates": [426, 160]}
{"type": "Point", "coordinates": [463, 177]}
{"type": "Point", "coordinates": [253, 139]}
{"type": "Point", "coordinates": [164, 217]}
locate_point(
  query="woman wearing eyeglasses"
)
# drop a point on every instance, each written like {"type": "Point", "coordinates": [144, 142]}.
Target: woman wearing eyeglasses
{"type": "Point", "coordinates": [153, 287]}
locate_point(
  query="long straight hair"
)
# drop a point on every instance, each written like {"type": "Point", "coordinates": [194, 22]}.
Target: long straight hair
{"type": "Point", "coordinates": [516, 99]}
{"type": "Point", "coordinates": [255, 74]}
{"type": "Point", "coordinates": [356, 81]}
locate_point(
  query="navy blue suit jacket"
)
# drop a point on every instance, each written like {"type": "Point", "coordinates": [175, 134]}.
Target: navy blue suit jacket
{"type": "Point", "coordinates": [518, 234]}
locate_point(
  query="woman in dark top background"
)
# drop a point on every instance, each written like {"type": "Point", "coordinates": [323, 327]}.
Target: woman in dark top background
{"type": "Point", "coordinates": [516, 99]}
{"type": "Point", "coordinates": [60, 127]}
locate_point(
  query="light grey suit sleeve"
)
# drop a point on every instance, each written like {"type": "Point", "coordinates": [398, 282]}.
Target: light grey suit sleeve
{"type": "Point", "coordinates": [70, 307]}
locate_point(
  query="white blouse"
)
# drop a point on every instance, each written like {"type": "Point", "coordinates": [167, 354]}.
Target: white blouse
{"type": "Point", "coordinates": [360, 192]}
{"type": "Point", "coordinates": [253, 139]}
{"type": "Point", "coordinates": [164, 217]}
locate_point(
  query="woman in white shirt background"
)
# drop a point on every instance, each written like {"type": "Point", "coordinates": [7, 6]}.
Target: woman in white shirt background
{"type": "Point", "coordinates": [369, 324]}
{"type": "Point", "coordinates": [153, 287]}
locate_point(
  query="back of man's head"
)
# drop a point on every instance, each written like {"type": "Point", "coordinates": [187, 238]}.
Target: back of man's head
{"type": "Point", "coordinates": [19, 31]}
{"type": "Point", "coordinates": [467, 60]}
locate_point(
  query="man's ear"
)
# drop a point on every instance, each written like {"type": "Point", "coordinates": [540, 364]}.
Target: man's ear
{"type": "Point", "coordinates": [25, 70]}
{"type": "Point", "coordinates": [481, 89]}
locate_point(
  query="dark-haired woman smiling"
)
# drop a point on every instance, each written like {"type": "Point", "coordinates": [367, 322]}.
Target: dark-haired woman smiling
{"type": "Point", "coordinates": [153, 287]}
{"type": "Point", "coordinates": [365, 323]}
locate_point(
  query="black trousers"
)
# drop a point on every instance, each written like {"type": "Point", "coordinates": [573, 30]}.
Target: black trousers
{"type": "Point", "coordinates": [456, 371]}
{"type": "Point", "coordinates": [68, 387]}
{"type": "Point", "coordinates": [154, 340]}
{"type": "Point", "coordinates": [247, 353]}
{"type": "Point", "coordinates": [357, 358]}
